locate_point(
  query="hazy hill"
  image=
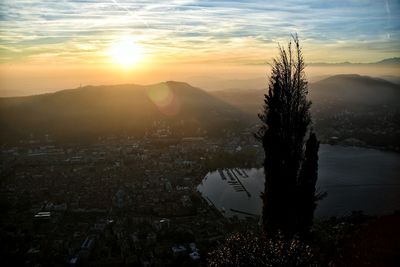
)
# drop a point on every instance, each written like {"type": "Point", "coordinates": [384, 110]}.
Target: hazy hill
{"type": "Point", "coordinates": [357, 110]}
{"type": "Point", "coordinates": [393, 60]}
{"type": "Point", "coordinates": [343, 89]}
{"type": "Point", "coordinates": [248, 100]}
{"type": "Point", "coordinates": [353, 88]}
{"type": "Point", "coordinates": [212, 83]}
{"type": "Point", "coordinates": [91, 111]}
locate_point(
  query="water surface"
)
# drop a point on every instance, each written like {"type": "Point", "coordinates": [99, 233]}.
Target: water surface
{"type": "Point", "coordinates": [354, 178]}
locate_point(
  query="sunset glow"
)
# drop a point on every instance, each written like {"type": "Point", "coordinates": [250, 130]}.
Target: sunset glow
{"type": "Point", "coordinates": [151, 41]}
{"type": "Point", "coordinates": [126, 52]}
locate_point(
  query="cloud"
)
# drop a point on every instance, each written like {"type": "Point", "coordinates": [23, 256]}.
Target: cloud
{"type": "Point", "coordinates": [176, 30]}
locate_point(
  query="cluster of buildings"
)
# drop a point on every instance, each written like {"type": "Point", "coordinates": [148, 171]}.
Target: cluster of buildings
{"type": "Point", "coordinates": [114, 202]}
{"type": "Point", "coordinates": [375, 127]}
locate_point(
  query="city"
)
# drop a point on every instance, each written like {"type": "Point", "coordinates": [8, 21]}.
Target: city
{"type": "Point", "coordinates": [117, 201]}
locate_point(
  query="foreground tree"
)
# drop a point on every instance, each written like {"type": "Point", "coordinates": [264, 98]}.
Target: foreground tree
{"type": "Point", "coordinates": [291, 162]}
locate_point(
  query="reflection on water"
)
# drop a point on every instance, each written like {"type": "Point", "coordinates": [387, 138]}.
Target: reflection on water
{"type": "Point", "coordinates": [354, 178]}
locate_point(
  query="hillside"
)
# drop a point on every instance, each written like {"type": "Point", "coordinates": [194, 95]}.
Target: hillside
{"type": "Point", "coordinates": [92, 111]}
{"type": "Point", "coordinates": [249, 101]}
{"type": "Point", "coordinates": [339, 90]}
{"type": "Point", "coordinates": [357, 110]}
{"type": "Point", "coordinates": [353, 88]}
{"type": "Point", "coordinates": [361, 109]}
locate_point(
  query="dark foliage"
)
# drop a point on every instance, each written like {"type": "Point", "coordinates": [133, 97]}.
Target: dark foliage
{"type": "Point", "coordinates": [290, 169]}
{"type": "Point", "coordinates": [307, 193]}
{"type": "Point", "coordinates": [250, 249]}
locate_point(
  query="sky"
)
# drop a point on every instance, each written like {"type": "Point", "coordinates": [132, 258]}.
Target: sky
{"type": "Point", "coordinates": [59, 44]}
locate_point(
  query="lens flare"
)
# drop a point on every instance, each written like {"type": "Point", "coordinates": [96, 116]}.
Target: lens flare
{"type": "Point", "coordinates": [165, 99]}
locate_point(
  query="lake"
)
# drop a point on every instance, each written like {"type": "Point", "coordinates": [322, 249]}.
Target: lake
{"type": "Point", "coordinates": [354, 178]}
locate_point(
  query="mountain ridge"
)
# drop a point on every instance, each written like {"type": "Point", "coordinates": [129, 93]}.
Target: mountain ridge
{"type": "Point", "coordinates": [385, 61]}
{"type": "Point", "coordinates": [97, 110]}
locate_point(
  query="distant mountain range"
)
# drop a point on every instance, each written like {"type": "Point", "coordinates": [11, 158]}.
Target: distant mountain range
{"type": "Point", "coordinates": [388, 69]}
{"type": "Point", "coordinates": [101, 110]}
{"type": "Point", "coordinates": [386, 61]}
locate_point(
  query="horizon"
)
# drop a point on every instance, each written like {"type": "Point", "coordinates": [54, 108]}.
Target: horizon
{"type": "Point", "coordinates": [213, 85]}
{"type": "Point", "coordinates": [57, 45]}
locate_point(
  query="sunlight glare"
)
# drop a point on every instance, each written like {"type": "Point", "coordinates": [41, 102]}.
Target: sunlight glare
{"type": "Point", "coordinates": [126, 52]}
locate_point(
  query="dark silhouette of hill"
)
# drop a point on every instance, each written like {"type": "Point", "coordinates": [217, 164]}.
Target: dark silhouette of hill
{"type": "Point", "coordinates": [101, 110]}
{"type": "Point", "coordinates": [391, 78]}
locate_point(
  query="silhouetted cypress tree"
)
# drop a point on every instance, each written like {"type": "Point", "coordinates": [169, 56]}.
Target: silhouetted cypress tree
{"type": "Point", "coordinates": [285, 122]}
{"type": "Point", "coordinates": [307, 192]}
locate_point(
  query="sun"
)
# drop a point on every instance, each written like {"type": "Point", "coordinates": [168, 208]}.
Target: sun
{"type": "Point", "coordinates": [126, 52]}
